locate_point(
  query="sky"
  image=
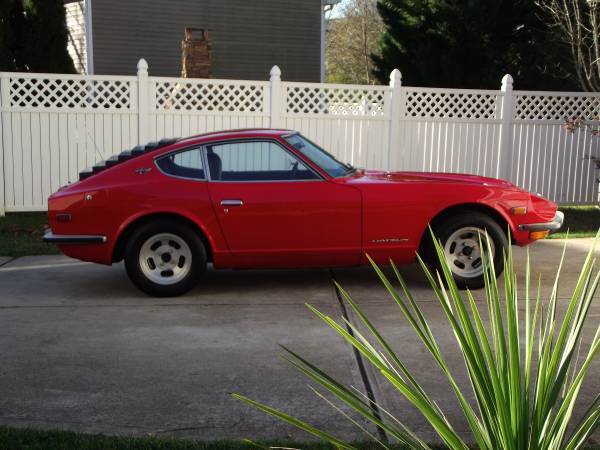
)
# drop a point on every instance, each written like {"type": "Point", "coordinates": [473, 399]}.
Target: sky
{"type": "Point", "coordinates": [337, 9]}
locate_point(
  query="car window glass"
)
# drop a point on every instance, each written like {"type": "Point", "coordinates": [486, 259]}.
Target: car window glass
{"type": "Point", "coordinates": [185, 164]}
{"type": "Point", "coordinates": [255, 161]}
{"type": "Point", "coordinates": [320, 157]}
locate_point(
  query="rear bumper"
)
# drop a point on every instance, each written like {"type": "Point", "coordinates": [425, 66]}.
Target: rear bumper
{"type": "Point", "coordinates": [73, 238]}
{"type": "Point", "coordinates": [552, 226]}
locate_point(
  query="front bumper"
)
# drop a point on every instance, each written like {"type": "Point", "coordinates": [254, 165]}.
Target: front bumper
{"type": "Point", "coordinates": [551, 226]}
{"type": "Point", "coordinates": [52, 238]}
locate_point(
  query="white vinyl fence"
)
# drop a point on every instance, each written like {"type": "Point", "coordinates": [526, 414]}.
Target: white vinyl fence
{"type": "Point", "coordinates": [53, 126]}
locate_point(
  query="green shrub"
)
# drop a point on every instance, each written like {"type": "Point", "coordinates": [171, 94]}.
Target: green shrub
{"type": "Point", "coordinates": [525, 381]}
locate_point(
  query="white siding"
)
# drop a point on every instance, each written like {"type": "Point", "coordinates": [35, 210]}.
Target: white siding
{"type": "Point", "coordinates": [75, 15]}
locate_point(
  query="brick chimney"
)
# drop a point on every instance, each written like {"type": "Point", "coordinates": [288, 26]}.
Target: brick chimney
{"type": "Point", "coordinates": [196, 59]}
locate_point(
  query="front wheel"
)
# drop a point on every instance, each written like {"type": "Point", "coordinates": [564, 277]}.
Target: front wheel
{"type": "Point", "coordinates": [164, 258]}
{"type": "Point", "coordinates": [463, 241]}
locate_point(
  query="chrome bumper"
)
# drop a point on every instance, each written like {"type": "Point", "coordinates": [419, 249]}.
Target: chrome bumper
{"type": "Point", "coordinates": [51, 238]}
{"type": "Point", "coordinates": [551, 226]}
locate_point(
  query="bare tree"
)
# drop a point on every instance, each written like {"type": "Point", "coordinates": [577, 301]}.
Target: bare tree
{"type": "Point", "coordinates": [351, 40]}
{"type": "Point", "coordinates": [578, 21]}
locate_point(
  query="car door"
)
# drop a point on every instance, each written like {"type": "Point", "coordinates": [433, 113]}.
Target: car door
{"type": "Point", "coordinates": [275, 211]}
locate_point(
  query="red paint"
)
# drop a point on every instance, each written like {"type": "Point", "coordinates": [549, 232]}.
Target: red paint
{"type": "Point", "coordinates": [330, 222]}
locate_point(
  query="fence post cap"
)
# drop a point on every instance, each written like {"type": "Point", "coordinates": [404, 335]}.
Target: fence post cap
{"type": "Point", "coordinates": [142, 65]}
{"type": "Point", "coordinates": [395, 78]}
{"type": "Point", "coordinates": [507, 82]}
{"type": "Point", "coordinates": [275, 73]}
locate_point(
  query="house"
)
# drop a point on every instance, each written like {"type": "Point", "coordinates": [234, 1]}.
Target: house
{"type": "Point", "coordinates": [247, 37]}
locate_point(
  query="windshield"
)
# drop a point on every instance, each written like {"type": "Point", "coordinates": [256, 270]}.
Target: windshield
{"type": "Point", "coordinates": [320, 157]}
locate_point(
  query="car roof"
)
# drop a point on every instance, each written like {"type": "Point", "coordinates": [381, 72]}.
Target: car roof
{"type": "Point", "coordinates": [233, 134]}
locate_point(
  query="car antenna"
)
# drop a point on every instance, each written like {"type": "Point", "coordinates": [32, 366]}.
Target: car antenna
{"type": "Point", "coordinates": [98, 152]}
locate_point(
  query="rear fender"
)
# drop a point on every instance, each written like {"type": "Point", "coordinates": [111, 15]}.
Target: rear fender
{"type": "Point", "coordinates": [216, 245]}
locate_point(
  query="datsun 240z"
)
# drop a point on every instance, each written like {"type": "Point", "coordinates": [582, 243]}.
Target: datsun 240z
{"type": "Point", "coordinates": [274, 199]}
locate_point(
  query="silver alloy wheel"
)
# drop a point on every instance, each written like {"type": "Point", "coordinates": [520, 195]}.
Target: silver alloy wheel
{"type": "Point", "coordinates": [463, 252]}
{"type": "Point", "coordinates": [165, 258]}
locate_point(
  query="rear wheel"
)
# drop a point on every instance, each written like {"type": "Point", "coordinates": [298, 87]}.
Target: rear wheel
{"type": "Point", "coordinates": [463, 241]}
{"type": "Point", "coordinates": [164, 258]}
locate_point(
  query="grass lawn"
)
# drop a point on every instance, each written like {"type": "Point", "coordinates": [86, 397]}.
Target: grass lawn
{"type": "Point", "coordinates": [21, 233]}
{"type": "Point", "coordinates": [29, 439]}
{"type": "Point", "coordinates": [581, 221]}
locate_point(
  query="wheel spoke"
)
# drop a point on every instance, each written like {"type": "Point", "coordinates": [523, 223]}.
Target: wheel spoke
{"type": "Point", "coordinates": [463, 251]}
{"type": "Point", "coordinates": [165, 258]}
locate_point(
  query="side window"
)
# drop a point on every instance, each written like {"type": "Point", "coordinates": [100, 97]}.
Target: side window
{"type": "Point", "coordinates": [185, 164]}
{"type": "Point", "coordinates": [255, 161]}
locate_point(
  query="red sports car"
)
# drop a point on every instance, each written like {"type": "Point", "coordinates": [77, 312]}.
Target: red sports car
{"type": "Point", "coordinates": [273, 199]}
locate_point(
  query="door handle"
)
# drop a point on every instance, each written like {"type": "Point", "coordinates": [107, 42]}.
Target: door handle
{"type": "Point", "coordinates": [232, 202]}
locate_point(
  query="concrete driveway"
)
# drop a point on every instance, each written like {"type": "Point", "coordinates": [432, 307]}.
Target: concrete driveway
{"type": "Point", "coordinates": [82, 349]}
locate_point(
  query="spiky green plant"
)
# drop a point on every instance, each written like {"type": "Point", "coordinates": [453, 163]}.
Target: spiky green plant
{"type": "Point", "coordinates": [525, 393]}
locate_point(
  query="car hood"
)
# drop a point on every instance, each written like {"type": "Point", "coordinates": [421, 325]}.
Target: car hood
{"type": "Point", "coordinates": [431, 177]}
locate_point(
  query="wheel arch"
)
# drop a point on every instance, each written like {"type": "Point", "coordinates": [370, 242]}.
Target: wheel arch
{"type": "Point", "coordinates": [129, 227]}
{"type": "Point", "coordinates": [449, 211]}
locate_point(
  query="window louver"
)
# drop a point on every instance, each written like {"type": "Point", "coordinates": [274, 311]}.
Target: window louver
{"type": "Point", "coordinates": [124, 156]}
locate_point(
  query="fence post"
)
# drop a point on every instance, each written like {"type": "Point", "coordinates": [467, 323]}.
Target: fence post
{"type": "Point", "coordinates": [143, 94]}
{"type": "Point", "coordinates": [505, 144]}
{"type": "Point", "coordinates": [4, 104]}
{"type": "Point", "coordinates": [395, 115]}
{"type": "Point", "coordinates": [276, 110]}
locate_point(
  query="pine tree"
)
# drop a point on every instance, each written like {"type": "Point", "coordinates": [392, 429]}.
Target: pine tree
{"type": "Point", "coordinates": [47, 37]}
{"type": "Point", "coordinates": [469, 44]}
{"type": "Point", "coordinates": [12, 26]}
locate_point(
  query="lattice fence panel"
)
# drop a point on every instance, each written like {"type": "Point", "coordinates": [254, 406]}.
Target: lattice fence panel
{"type": "Point", "coordinates": [556, 107]}
{"type": "Point", "coordinates": [334, 101]}
{"type": "Point", "coordinates": [450, 105]}
{"type": "Point", "coordinates": [208, 96]}
{"type": "Point", "coordinates": [70, 93]}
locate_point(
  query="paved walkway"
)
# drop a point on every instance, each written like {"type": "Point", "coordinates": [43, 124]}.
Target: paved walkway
{"type": "Point", "coordinates": [84, 350]}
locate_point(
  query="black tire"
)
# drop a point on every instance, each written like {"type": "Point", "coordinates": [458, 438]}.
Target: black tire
{"type": "Point", "coordinates": [449, 229]}
{"type": "Point", "coordinates": [193, 272]}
